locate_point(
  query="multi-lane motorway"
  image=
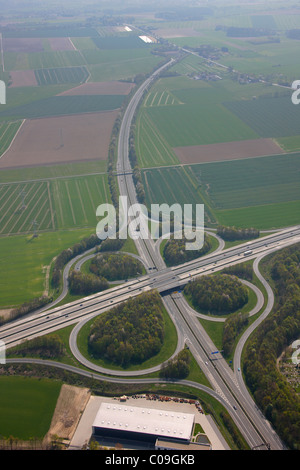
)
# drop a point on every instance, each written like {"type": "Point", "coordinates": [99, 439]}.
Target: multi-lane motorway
{"type": "Point", "coordinates": [226, 384]}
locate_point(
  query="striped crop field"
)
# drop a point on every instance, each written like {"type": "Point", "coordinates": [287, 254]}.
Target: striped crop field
{"type": "Point", "coordinates": [174, 185]}
{"type": "Point", "coordinates": [62, 203]}
{"type": "Point", "coordinates": [21, 204]}
{"type": "Point", "coordinates": [8, 131]}
{"type": "Point", "coordinates": [61, 75]}
{"type": "Point", "coordinates": [161, 98]}
{"type": "Point", "coordinates": [76, 200]}
{"type": "Point", "coordinates": [152, 148]}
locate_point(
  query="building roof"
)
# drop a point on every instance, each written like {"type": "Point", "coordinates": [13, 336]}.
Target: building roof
{"type": "Point", "coordinates": [187, 446]}
{"type": "Point", "coordinates": [156, 422]}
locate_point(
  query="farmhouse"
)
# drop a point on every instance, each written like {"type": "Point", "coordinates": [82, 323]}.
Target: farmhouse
{"type": "Point", "coordinates": [165, 429]}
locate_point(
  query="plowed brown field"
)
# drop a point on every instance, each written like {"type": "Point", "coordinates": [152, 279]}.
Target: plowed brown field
{"type": "Point", "coordinates": [61, 139]}
{"type": "Point", "coordinates": [227, 151]}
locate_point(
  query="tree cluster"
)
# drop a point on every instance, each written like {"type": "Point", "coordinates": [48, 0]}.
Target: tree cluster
{"type": "Point", "coordinates": [110, 244]}
{"type": "Point", "coordinates": [234, 324]}
{"type": "Point", "coordinates": [66, 255]}
{"type": "Point", "coordinates": [217, 294]}
{"type": "Point", "coordinates": [177, 368]}
{"type": "Point", "coordinates": [129, 333]}
{"type": "Point", "coordinates": [86, 284]}
{"type": "Point", "coordinates": [175, 253]}
{"type": "Point", "coordinates": [49, 346]}
{"type": "Point", "coordinates": [242, 270]}
{"type": "Point", "coordinates": [114, 266]}
{"type": "Point", "coordinates": [233, 233]}
{"type": "Point", "coordinates": [272, 392]}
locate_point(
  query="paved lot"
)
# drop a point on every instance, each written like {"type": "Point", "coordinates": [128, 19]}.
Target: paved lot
{"type": "Point", "coordinates": [84, 430]}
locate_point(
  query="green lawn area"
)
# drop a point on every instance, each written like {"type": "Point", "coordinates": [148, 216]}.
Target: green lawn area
{"type": "Point", "coordinates": [26, 259]}
{"type": "Point", "coordinates": [27, 406]}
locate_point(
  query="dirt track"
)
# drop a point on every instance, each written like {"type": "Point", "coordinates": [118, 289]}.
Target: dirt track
{"type": "Point", "coordinates": [69, 408]}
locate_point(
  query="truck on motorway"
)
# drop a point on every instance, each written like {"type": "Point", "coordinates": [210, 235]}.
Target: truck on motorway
{"type": "Point", "coordinates": [248, 252]}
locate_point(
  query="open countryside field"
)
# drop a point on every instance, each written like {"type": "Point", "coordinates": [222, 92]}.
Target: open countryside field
{"type": "Point", "coordinates": [257, 192]}
{"type": "Point", "coordinates": [227, 151]}
{"type": "Point", "coordinates": [64, 105]}
{"type": "Point", "coordinates": [54, 204]}
{"type": "Point", "coordinates": [60, 140]}
{"type": "Point", "coordinates": [180, 113]}
{"type": "Point", "coordinates": [8, 130]}
{"type": "Point", "coordinates": [27, 406]}
{"type": "Point", "coordinates": [36, 255]}
{"type": "Point", "coordinates": [61, 75]}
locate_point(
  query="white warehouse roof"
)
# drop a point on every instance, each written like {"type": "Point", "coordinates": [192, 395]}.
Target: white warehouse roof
{"type": "Point", "coordinates": [145, 420]}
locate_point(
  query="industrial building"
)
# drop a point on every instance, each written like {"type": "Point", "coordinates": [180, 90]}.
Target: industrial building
{"type": "Point", "coordinates": [148, 425]}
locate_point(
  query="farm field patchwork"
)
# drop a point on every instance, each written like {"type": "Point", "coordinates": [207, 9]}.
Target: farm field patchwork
{"type": "Point", "coordinates": [183, 113]}
{"type": "Point", "coordinates": [276, 117]}
{"type": "Point", "coordinates": [100, 88]}
{"type": "Point", "coordinates": [260, 192]}
{"type": "Point", "coordinates": [202, 119]}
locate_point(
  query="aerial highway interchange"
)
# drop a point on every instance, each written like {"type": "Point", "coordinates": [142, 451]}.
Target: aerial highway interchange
{"type": "Point", "coordinates": [226, 384]}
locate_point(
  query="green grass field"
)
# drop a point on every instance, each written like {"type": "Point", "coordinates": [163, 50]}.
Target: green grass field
{"type": "Point", "coordinates": [27, 406]}
{"type": "Point", "coordinates": [65, 105]}
{"type": "Point", "coordinates": [269, 117]}
{"type": "Point", "coordinates": [44, 59]}
{"type": "Point", "coordinates": [26, 260]}
{"type": "Point", "coordinates": [53, 171]}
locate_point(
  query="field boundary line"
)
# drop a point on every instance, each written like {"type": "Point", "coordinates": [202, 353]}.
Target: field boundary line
{"type": "Point", "coordinates": [9, 206]}
{"type": "Point", "coordinates": [50, 204]}
{"type": "Point", "coordinates": [50, 178]}
{"type": "Point", "coordinates": [15, 136]}
{"type": "Point", "coordinates": [41, 208]}
{"type": "Point", "coordinates": [81, 201]}
{"type": "Point", "coordinates": [70, 202]}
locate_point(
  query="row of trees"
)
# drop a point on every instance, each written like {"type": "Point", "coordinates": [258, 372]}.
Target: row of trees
{"type": "Point", "coordinates": [175, 253]}
{"type": "Point", "coordinates": [242, 270]}
{"type": "Point", "coordinates": [26, 308]}
{"type": "Point", "coordinates": [233, 325]}
{"type": "Point", "coordinates": [218, 293]}
{"type": "Point", "coordinates": [274, 395]}
{"type": "Point", "coordinates": [66, 255]}
{"type": "Point", "coordinates": [47, 347]}
{"type": "Point", "coordinates": [233, 233]}
{"type": "Point", "coordinates": [129, 333]}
